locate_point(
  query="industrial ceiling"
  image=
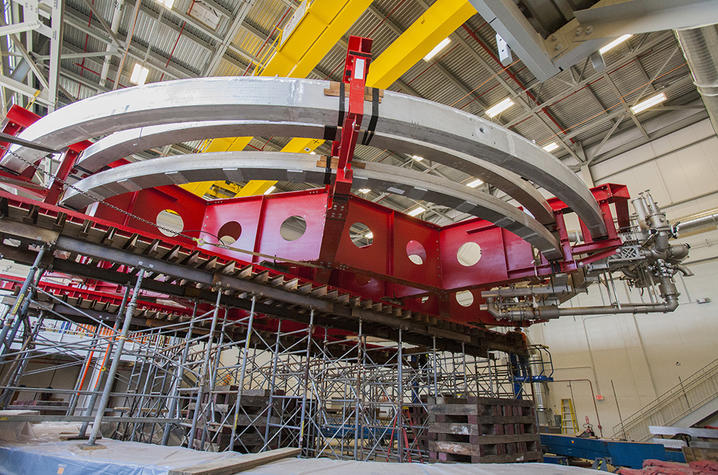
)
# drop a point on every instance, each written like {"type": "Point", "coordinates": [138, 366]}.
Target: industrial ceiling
{"type": "Point", "coordinates": [584, 111]}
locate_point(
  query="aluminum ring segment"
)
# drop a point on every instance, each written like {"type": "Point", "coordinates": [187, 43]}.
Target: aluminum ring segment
{"type": "Point", "coordinates": [298, 167]}
{"type": "Point", "coordinates": [303, 100]}
{"type": "Point", "coordinates": [124, 143]}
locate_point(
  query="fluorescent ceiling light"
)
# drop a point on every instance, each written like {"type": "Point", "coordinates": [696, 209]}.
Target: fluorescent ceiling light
{"type": "Point", "coordinates": [369, 235]}
{"type": "Point", "coordinates": [270, 189]}
{"type": "Point", "coordinates": [166, 3]}
{"type": "Point", "coordinates": [442, 44]}
{"type": "Point", "coordinates": [416, 211]}
{"type": "Point", "coordinates": [418, 158]}
{"type": "Point", "coordinates": [139, 74]}
{"type": "Point", "coordinates": [648, 103]}
{"type": "Point", "coordinates": [614, 43]}
{"type": "Point", "coordinates": [550, 147]}
{"type": "Point", "coordinates": [497, 109]}
{"type": "Point", "coordinates": [473, 184]}
{"type": "Point", "coordinates": [364, 190]}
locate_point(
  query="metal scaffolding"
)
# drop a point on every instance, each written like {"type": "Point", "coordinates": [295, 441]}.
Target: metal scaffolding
{"type": "Point", "coordinates": [216, 383]}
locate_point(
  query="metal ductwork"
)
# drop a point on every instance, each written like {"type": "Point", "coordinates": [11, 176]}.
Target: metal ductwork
{"type": "Point", "coordinates": [700, 48]}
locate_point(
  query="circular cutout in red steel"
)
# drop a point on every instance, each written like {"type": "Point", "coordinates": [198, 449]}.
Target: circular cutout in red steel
{"type": "Point", "coordinates": [468, 254]}
{"type": "Point", "coordinates": [464, 298]}
{"type": "Point", "coordinates": [415, 252]}
{"type": "Point", "coordinates": [361, 235]}
{"type": "Point", "coordinates": [229, 233]}
{"type": "Point", "coordinates": [169, 222]}
{"type": "Point", "coordinates": [293, 228]}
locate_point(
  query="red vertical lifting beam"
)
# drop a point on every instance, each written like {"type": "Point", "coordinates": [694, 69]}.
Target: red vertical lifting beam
{"type": "Point", "coordinates": [356, 68]}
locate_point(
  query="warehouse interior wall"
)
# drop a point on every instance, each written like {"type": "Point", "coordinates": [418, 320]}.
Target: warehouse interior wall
{"type": "Point", "coordinates": [642, 356]}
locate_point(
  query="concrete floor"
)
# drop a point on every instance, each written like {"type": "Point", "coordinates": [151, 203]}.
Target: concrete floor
{"type": "Point", "coordinates": [40, 450]}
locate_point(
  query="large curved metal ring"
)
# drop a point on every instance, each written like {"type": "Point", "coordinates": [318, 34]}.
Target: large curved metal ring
{"type": "Point", "coordinates": [298, 167]}
{"type": "Point", "coordinates": [126, 142]}
{"type": "Point", "coordinates": [305, 101]}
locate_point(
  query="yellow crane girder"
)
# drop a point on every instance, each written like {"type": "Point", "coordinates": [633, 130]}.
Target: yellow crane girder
{"type": "Point", "coordinates": [311, 34]}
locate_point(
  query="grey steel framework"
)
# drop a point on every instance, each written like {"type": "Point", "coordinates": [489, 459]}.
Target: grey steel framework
{"type": "Point", "coordinates": [217, 384]}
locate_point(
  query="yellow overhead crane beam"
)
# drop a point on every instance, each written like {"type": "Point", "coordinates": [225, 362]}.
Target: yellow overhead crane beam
{"type": "Point", "coordinates": [310, 34]}
{"type": "Point", "coordinates": [294, 59]}
{"type": "Point", "coordinates": [435, 24]}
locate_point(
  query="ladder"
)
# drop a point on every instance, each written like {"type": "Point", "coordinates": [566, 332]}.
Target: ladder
{"type": "Point", "coordinates": [569, 425]}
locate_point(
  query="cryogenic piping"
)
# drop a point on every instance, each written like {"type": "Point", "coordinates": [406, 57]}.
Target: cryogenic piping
{"type": "Point", "coordinates": [653, 260]}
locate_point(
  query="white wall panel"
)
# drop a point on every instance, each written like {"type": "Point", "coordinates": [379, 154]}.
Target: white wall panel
{"type": "Point", "coordinates": [645, 355]}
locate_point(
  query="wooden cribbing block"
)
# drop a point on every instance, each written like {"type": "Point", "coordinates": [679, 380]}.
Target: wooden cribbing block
{"type": "Point", "coordinates": [239, 464]}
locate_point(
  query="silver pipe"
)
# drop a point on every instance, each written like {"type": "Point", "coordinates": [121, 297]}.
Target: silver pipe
{"type": "Point", "coordinates": [529, 290]}
{"type": "Point", "coordinates": [700, 48]}
{"type": "Point", "coordinates": [549, 312]}
{"type": "Point", "coordinates": [699, 222]}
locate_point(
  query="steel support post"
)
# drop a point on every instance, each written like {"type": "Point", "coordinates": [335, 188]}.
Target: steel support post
{"type": "Point", "coordinates": [149, 381]}
{"type": "Point", "coordinates": [202, 380]}
{"type": "Point", "coordinates": [243, 369]}
{"type": "Point", "coordinates": [463, 356]}
{"type": "Point", "coordinates": [272, 383]}
{"type": "Point", "coordinates": [108, 352]}
{"type": "Point", "coordinates": [173, 400]}
{"type": "Point", "coordinates": [302, 417]}
{"type": "Point", "coordinates": [357, 396]}
{"type": "Point", "coordinates": [15, 372]}
{"type": "Point", "coordinates": [115, 361]}
{"type": "Point", "coordinates": [400, 397]}
{"type": "Point", "coordinates": [435, 369]}
{"type": "Point", "coordinates": [21, 296]}
{"type": "Point", "coordinates": [213, 373]}
{"type": "Point", "coordinates": [72, 404]}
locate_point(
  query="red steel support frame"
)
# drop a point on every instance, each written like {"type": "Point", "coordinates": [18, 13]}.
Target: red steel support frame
{"type": "Point", "coordinates": [428, 282]}
{"type": "Point", "coordinates": [356, 68]}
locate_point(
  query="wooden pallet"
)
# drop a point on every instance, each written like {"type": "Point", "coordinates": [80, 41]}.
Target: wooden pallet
{"type": "Point", "coordinates": [483, 430]}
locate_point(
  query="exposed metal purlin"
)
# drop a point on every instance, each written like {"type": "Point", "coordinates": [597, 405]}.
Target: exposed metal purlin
{"type": "Point", "coordinates": [624, 105]}
{"type": "Point", "coordinates": [436, 60]}
{"type": "Point", "coordinates": [218, 55]}
{"type": "Point", "coordinates": [578, 85]}
{"type": "Point", "coordinates": [615, 113]}
{"type": "Point", "coordinates": [172, 70]}
{"type": "Point", "coordinates": [24, 89]}
{"type": "Point", "coordinates": [436, 23]}
{"type": "Point", "coordinates": [513, 93]}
